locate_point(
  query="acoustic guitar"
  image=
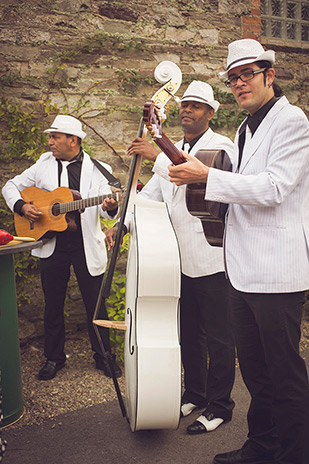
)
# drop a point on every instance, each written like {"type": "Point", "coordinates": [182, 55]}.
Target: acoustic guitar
{"type": "Point", "coordinates": [211, 213]}
{"type": "Point", "coordinates": [56, 207]}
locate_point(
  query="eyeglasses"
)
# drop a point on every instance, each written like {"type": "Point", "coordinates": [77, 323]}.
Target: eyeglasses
{"type": "Point", "coordinates": [244, 77]}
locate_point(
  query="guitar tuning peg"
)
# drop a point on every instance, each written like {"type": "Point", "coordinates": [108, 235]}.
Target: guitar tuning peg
{"type": "Point", "coordinates": [161, 112]}
{"type": "Point", "coordinates": [150, 129]}
{"type": "Point", "coordinates": [156, 132]}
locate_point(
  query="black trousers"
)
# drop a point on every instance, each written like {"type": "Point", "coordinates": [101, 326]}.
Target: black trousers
{"type": "Point", "coordinates": [267, 332]}
{"type": "Point", "coordinates": [55, 274]}
{"type": "Point", "coordinates": [207, 344]}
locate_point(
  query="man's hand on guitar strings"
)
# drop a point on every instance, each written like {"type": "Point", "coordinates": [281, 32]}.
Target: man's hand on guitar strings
{"type": "Point", "coordinates": [191, 172]}
{"type": "Point", "coordinates": [109, 204]}
{"type": "Point", "coordinates": [31, 212]}
{"type": "Point", "coordinates": [141, 147]}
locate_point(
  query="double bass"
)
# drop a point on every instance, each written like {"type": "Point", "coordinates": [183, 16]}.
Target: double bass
{"type": "Point", "coordinates": [152, 359]}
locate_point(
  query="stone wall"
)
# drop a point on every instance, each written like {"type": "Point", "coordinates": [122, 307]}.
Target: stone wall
{"type": "Point", "coordinates": [95, 60]}
{"type": "Point", "coordinates": [102, 54]}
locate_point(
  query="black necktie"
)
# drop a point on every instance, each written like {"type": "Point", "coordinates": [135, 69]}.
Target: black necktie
{"type": "Point", "coordinates": [241, 141]}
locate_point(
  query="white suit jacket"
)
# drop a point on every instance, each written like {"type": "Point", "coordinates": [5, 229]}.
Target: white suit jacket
{"type": "Point", "coordinates": [44, 174]}
{"type": "Point", "coordinates": [198, 258]}
{"type": "Point", "coordinates": [267, 225]}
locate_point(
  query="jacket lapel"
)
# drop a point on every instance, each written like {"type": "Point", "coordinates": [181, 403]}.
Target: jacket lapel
{"type": "Point", "coordinates": [203, 142]}
{"type": "Point", "coordinates": [85, 176]}
{"type": "Point", "coordinates": [252, 145]}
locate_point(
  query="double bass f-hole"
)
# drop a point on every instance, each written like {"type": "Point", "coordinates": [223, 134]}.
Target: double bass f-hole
{"type": "Point", "coordinates": [131, 346]}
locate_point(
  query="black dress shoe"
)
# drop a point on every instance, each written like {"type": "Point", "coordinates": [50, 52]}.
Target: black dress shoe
{"type": "Point", "coordinates": [244, 455]}
{"type": "Point", "coordinates": [207, 422]}
{"type": "Point", "coordinates": [49, 370]}
{"type": "Point", "coordinates": [103, 365]}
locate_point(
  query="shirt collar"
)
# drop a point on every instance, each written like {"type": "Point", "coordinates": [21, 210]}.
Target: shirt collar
{"type": "Point", "coordinates": [193, 141]}
{"type": "Point", "coordinates": [76, 158]}
{"type": "Point", "coordinates": [255, 120]}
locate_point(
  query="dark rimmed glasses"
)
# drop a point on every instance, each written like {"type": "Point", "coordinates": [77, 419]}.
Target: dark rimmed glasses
{"type": "Point", "coordinates": [244, 77]}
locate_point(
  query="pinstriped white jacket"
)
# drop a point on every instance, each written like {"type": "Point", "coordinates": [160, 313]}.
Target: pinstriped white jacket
{"type": "Point", "coordinates": [267, 225]}
{"type": "Point", "coordinates": [198, 258]}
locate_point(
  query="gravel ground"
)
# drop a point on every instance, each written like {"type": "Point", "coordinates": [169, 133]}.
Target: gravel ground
{"type": "Point", "coordinates": [78, 385]}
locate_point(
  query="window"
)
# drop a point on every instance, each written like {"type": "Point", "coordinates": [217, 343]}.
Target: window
{"type": "Point", "coordinates": [285, 19]}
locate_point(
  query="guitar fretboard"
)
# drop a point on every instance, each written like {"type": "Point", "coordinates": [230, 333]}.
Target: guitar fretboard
{"type": "Point", "coordinates": [81, 204]}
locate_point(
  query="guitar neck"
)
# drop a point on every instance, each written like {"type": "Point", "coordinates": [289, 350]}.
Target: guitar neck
{"type": "Point", "coordinates": [170, 150]}
{"type": "Point", "coordinates": [153, 124]}
{"type": "Point", "coordinates": [82, 204]}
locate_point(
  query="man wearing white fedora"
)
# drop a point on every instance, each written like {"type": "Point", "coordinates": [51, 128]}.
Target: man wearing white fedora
{"type": "Point", "coordinates": [266, 255]}
{"type": "Point", "coordinates": [67, 164]}
{"type": "Point", "coordinates": [204, 317]}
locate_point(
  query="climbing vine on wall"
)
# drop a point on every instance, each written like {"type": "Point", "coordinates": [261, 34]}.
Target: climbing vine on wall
{"type": "Point", "coordinates": [21, 133]}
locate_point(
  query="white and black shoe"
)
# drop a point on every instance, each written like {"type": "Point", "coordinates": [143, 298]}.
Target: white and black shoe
{"type": "Point", "coordinates": [207, 422]}
{"type": "Point", "coordinates": [187, 408]}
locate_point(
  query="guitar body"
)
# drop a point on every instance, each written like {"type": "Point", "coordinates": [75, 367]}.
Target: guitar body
{"type": "Point", "coordinates": [44, 201]}
{"type": "Point", "coordinates": [211, 213]}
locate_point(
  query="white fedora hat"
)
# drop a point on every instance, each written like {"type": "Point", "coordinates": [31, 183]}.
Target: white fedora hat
{"type": "Point", "coordinates": [201, 92]}
{"type": "Point", "coordinates": [246, 51]}
{"type": "Point", "coordinates": [67, 125]}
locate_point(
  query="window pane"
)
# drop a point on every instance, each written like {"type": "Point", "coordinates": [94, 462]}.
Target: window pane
{"type": "Point", "coordinates": [276, 7]}
{"type": "Point", "coordinates": [291, 10]}
{"type": "Point", "coordinates": [305, 12]}
{"type": "Point", "coordinates": [291, 31]}
{"type": "Point", "coordinates": [305, 33]}
{"type": "Point", "coordinates": [276, 28]}
{"type": "Point", "coordinates": [263, 7]}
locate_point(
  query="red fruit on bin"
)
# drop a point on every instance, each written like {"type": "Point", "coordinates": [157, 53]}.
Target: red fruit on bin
{"type": "Point", "coordinates": [5, 237]}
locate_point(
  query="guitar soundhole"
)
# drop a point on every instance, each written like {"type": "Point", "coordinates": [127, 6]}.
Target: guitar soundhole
{"type": "Point", "coordinates": [56, 209]}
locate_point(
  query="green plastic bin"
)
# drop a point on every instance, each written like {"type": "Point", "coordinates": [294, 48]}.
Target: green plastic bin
{"type": "Point", "coordinates": [12, 398]}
